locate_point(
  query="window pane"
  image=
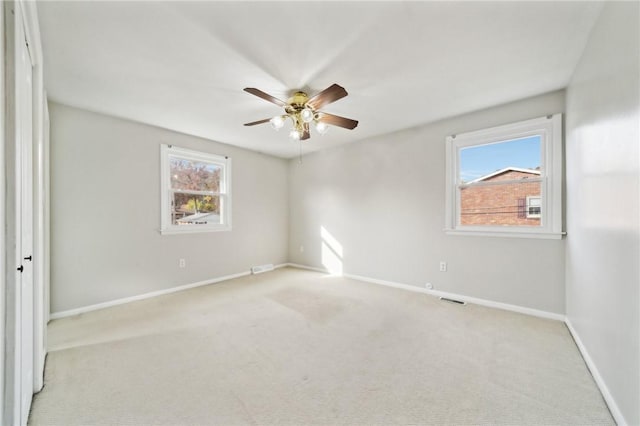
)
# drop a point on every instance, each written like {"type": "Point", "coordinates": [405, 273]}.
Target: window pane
{"type": "Point", "coordinates": [534, 206]}
{"type": "Point", "coordinates": [194, 175]}
{"type": "Point", "coordinates": [191, 209]}
{"type": "Point", "coordinates": [481, 161]}
{"type": "Point", "coordinates": [501, 204]}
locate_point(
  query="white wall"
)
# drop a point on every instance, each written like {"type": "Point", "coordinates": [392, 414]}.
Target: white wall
{"type": "Point", "coordinates": [603, 245]}
{"type": "Point", "coordinates": [382, 199]}
{"type": "Point", "coordinates": [105, 194]}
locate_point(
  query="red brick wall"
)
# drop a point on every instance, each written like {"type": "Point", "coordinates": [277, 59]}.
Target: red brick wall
{"type": "Point", "coordinates": [498, 204]}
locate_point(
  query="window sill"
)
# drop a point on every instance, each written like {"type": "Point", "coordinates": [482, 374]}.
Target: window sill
{"type": "Point", "coordinates": [507, 234]}
{"type": "Point", "coordinates": [190, 230]}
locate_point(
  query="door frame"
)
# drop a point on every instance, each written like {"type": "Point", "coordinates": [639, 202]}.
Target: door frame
{"type": "Point", "coordinates": [40, 192]}
{"type": "Point", "coordinates": [21, 13]}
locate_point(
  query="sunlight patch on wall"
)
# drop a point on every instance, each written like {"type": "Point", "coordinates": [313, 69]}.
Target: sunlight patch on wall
{"type": "Point", "coordinates": [331, 252]}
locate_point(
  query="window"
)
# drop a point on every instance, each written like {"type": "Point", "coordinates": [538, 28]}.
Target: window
{"type": "Point", "coordinates": [196, 191]}
{"type": "Point", "coordinates": [506, 180]}
{"type": "Point", "coordinates": [533, 209]}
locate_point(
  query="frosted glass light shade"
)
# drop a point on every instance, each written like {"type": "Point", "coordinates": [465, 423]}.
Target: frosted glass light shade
{"type": "Point", "coordinates": [294, 134]}
{"type": "Point", "coordinates": [306, 115]}
{"type": "Point", "coordinates": [277, 122]}
{"type": "Point", "coordinates": [322, 128]}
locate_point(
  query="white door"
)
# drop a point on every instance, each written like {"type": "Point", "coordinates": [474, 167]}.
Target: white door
{"type": "Point", "coordinates": [24, 220]}
{"type": "Point", "coordinates": [27, 243]}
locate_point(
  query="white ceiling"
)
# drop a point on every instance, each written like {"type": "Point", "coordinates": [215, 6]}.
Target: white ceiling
{"type": "Point", "coordinates": [182, 66]}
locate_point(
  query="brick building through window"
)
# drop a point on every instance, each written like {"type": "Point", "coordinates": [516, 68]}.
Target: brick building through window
{"type": "Point", "coordinates": [507, 197]}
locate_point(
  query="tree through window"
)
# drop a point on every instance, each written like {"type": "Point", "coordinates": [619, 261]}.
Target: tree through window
{"type": "Point", "coordinates": [196, 193]}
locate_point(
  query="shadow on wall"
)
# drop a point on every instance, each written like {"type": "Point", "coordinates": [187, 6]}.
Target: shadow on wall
{"type": "Point", "coordinates": [332, 254]}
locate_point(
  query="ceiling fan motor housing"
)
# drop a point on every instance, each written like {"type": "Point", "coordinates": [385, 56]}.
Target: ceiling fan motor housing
{"type": "Point", "coordinates": [296, 105]}
{"type": "Point", "coordinates": [298, 100]}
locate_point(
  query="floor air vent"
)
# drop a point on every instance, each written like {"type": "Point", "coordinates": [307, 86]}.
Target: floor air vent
{"type": "Point", "coordinates": [459, 302]}
{"type": "Point", "coordinates": [262, 268]}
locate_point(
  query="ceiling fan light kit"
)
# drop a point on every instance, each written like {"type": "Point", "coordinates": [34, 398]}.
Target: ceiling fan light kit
{"type": "Point", "coordinates": [322, 128]}
{"type": "Point", "coordinates": [303, 110]}
{"type": "Point", "coordinates": [277, 122]}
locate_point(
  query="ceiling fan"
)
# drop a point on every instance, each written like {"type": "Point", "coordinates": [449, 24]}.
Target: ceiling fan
{"type": "Point", "coordinates": [304, 110]}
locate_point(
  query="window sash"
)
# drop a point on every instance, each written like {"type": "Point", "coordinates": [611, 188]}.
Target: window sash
{"type": "Point", "coordinates": [501, 182]}
{"type": "Point", "coordinates": [194, 192]}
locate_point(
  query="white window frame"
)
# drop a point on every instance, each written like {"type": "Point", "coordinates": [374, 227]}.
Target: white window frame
{"type": "Point", "coordinates": [528, 207]}
{"type": "Point", "coordinates": [549, 128]}
{"type": "Point", "coordinates": [166, 227]}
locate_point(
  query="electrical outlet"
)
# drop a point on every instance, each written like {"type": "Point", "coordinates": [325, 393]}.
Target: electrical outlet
{"type": "Point", "coordinates": [428, 286]}
{"type": "Point", "coordinates": [443, 266]}
{"type": "Point", "coordinates": [301, 249]}
{"type": "Point", "coordinates": [182, 263]}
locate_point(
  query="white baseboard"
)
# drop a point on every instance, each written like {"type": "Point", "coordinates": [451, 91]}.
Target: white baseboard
{"type": "Point", "coordinates": [604, 390]}
{"type": "Point", "coordinates": [468, 299]}
{"type": "Point", "coordinates": [84, 309]}
{"type": "Point", "coordinates": [310, 268]}
{"type": "Point", "coordinates": [463, 298]}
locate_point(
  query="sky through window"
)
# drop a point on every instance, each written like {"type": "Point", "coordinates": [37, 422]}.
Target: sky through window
{"type": "Point", "coordinates": [481, 160]}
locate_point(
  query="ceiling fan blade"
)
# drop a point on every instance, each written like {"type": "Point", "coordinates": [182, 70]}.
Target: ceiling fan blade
{"type": "Point", "coordinates": [267, 97]}
{"type": "Point", "coordinates": [336, 120]}
{"type": "Point", "coordinates": [328, 95]}
{"type": "Point", "coordinates": [305, 135]}
{"type": "Point", "coordinates": [253, 123]}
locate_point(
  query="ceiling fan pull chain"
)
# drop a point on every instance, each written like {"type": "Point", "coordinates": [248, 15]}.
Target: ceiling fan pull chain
{"type": "Point", "coordinates": [300, 157]}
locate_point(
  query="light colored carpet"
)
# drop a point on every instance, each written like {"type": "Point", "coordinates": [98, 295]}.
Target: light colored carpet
{"type": "Point", "coordinates": [294, 347]}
